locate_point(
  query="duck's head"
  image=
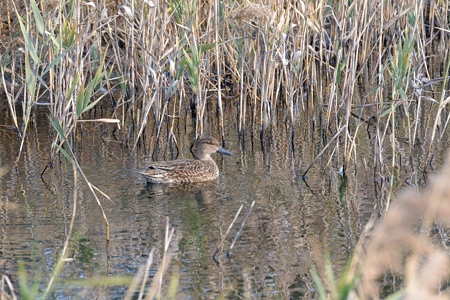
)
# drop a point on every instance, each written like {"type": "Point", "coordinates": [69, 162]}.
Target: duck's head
{"type": "Point", "coordinates": [207, 146]}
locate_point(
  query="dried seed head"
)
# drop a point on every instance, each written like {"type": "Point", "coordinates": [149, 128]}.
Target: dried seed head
{"type": "Point", "coordinates": [52, 4]}
{"type": "Point", "coordinates": [251, 13]}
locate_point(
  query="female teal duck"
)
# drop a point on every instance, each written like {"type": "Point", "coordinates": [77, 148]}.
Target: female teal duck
{"type": "Point", "coordinates": [202, 168]}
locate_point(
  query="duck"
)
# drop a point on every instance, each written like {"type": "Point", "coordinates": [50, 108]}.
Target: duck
{"type": "Point", "coordinates": [202, 168]}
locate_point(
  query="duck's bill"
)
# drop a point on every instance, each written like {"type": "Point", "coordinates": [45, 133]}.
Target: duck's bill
{"type": "Point", "coordinates": [223, 151]}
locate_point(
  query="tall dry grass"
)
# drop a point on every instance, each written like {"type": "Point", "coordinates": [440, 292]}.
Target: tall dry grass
{"type": "Point", "coordinates": [343, 62]}
{"type": "Point", "coordinates": [402, 256]}
{"type": "Point", "coordinates": [410, 244]}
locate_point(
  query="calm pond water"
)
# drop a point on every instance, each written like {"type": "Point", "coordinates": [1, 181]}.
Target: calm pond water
{"type": "Point", "coordinates": [293, 223]}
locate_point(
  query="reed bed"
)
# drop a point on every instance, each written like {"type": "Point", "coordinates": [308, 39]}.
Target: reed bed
{"type": "Point", "coordinates": [343, 62]}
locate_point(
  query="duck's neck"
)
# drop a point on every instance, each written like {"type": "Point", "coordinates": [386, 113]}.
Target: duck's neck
{"type": "Point", "coordinates": [203, 156]}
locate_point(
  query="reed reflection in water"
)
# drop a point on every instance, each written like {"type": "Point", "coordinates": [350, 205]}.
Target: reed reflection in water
{"type": "Point", "coordinates": [293, 222]}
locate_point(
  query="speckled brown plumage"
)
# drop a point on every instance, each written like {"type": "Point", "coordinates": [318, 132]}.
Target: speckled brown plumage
{"type": "Point", "coordinates": [202, 168]}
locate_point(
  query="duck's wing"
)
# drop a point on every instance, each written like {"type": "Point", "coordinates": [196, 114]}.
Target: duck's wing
{"type": "Point", "coordinates": [180, 171]}
{"type": "Point", "coordinates": [167, 166]}
{"type": "Point", "coordinates": [194, 171]}
{"type": "Point", "coordinates": [168, 171]}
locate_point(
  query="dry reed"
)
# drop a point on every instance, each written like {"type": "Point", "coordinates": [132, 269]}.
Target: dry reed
{"type": "Point", "coordinates": [404, 244]}
{"type": "Point", "coordinates": [403, 255]}
{"type": "Point", "coordinates": [332, 59]}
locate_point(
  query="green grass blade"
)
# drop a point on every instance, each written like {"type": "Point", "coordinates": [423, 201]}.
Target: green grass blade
{"type": "Point", "coordinates": [73, 86]}
{"type": "Point", "coordinates": [105, 281]}
{"type": "Point", "coordinates": [205, 47]}
{"type": "Point", "coordinates": [80, 100]}
{"type": "Point", "coordinates": [30, 80]}
{"type": "Point", "coordinates": [397, 295]}
{"type": "Point", "coordinates": [187, 60]}
{"type": "Point", "coordinates": [26, 291]}
{"type": "Point", "coordinates": [93, 103]}
{"type": "Point", "coordinates": [31, 50]}
{"type": "Point", "coordinates": [58, 128]}
{"type": "Point", "coordinates": [54, 62]}
{"type": "Point", "coordinates": [37, 17]}
{"type": "Point", "coordinates": [319, 285]}
{"type": "Point", "coordinates": [64, 152]}
{"type": "Point", "coordinates": [330, 277]}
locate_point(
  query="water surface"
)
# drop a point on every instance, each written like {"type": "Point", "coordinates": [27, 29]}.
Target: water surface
{"type": "Point", "coordinates": [294, 222]}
